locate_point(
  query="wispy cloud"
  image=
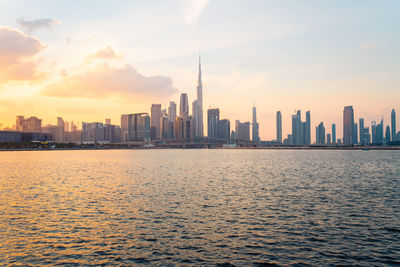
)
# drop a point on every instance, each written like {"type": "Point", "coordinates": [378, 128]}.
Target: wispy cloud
{"type": "Point", "coordinates": [31, 25]}
{"type": "Point", "coordinates": [192, 10]}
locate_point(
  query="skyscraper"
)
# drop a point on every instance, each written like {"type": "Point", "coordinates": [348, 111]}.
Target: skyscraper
{"type": "Point", "coordinates": [198, 128]}
{"type": "Point", "coordinates": [393, 120]}
{"type": "Point", "coordinates": [31, 124]}
{"type": "Point", "coordinates": [333, 133]}
{"type": "Point", "coordinates": [224, 129]}
{"type": "Point", "coordinates": [387, 134]}
{"type": "Point", "coordinates": [73, 127]}
{"type": "Point", "coordinates": [66, 126]}
{"type": "Point", "coordinates": [355, 135]}
{"type": "Point", "coordinates": [171, 119]}
{"type": "Point", "coordinates": [212, 123]}
{"type": "Point", "coordinates": [183, 129]}
{"type": "Point", "coordinates": [294, 122]}
{"type": "Point", "coordinates": [60, 130]}
{"type": "Point", "coordinates": [200, 99]}
{"type": "Point", "coordinates": [196, 118]}
{"type": "Point", "coordinates": [255, 136]}
{"type": "Point", "coordinates": [308, 128]}
{"type": "Point", "coordinates": [164, 126]}
{"type": "Point", "coordinates": [304, 132]}
{"type": "Point", "coordinates": [242, 131]}
{"type": "Point", "coordinates": [320, 134]}
{"type": "Point", "coordinates": [297, 129]}
{"type": "Point", "coordinates": [377, 132]}
{"type": "Point", "coordinates": [155, 120]}
{"type": "Point", "coordinates": [363, 132]}
{"type": "Point", "coordinates": [172, 111]}
{"type": "Point", "coordinates": [184, 106]}
{"type": "Point", "coordinates": [279, 126]}
{"type": "Point", "coordinates": [135, 127]}
{"type": "Point", "coordinates": [299, 132]}
{"type": "Point", "coordinates": [373, 132]}
{"type": "Point", "coordinates": [348, 125]}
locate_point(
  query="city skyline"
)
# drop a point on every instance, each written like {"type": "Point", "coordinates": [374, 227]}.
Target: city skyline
{"type": "Point", "coordinates": [284, 66]}
{"type": "Point", "coordinates": [160, 126]}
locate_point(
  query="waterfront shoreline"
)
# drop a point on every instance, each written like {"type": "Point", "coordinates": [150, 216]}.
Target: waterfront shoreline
{"type": "Point", "coordinates": [336, 148]}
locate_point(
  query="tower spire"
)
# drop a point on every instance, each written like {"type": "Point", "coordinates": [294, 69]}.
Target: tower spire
{"type": "Point", "coordinates": [199, 117]}
{"type": "Point", "coordinates": [199, 83]}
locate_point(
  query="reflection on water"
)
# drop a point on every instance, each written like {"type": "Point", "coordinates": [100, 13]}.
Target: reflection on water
{"type": "Point", "coordinates": [200, 207]}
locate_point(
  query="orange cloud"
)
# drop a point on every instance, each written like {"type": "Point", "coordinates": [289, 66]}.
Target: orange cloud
{"type": "Point", "coordinates": [104, 80]}
{"type": "Point", "coordinates": [107, 53]}
{"type": "Point", "coordinates": [18, 51]}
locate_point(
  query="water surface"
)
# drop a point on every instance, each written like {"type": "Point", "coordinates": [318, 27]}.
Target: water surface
{"type": "Point", "coordinates": [200, 207]}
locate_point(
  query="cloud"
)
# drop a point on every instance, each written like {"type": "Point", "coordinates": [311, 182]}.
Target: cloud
{"type": "Point", "coordinates": [192, 10]}
{"type": "Point", "coordinates": [107, 53]}
{"type": "Point", "coordinates": [104, 81]}
{"type": "Point", "coordinates": [31, 25]}
{"type": "Point", "coordinates": [18, 56]}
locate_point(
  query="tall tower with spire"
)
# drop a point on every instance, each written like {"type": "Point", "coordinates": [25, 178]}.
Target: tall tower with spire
{"type": "Point", "coordinates": [255, 137]}
{"type": "Point", "coordinates": [198, 114]}
{"type": "Point", "coordinates": [199, 84]}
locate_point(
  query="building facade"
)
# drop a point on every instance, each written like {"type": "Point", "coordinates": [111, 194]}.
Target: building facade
{"type": "Point", "coordinates": [224, 129]}
{"type": "Point", "coordinates": [320, 134]}
{"type": "Point", "coordinates": [279, 127]}
{"type": "Point", "coordinates": [155, 121]}
{"type": "Point", "coordinates": [242, 131]}
{"type": "Point", "coordinates": [32, 124]}
{"type": "Point", "coordinates": [348, 125]}
{"type": "Point", "coordinates": [184, 106]}
{"type": "Point", "coordinates": [135, 127]}
{"type": "Point", "coordinates": [365, 137]}
{"type": "Point", "coordinates": [255, 127]}
{"type": "Point", "coordinates": [393, 124]}
{"type": "Point", "coordinates": [184, 129]}
{"type": "Point", "coordinates": [212, 123]}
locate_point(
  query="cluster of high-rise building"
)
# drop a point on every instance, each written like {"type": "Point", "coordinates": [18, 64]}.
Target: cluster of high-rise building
{"type": "Point", "coordinates": [63, 132]}
{"type": "Point", "coordinates": [301, 130]}
{"type": "Point", "coordinates": [353, 133]}
{"type": "Point", "coordinates": [31, 124]}
{"type": "Point", "coordinates": [167, 125]}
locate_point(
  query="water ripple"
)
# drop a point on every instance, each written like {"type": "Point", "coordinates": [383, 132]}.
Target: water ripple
{"type": "Point", "coordinates": [200, 207]}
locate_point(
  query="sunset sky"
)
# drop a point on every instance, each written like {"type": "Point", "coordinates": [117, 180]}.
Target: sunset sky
{"type": "Point", "coordinates": [91, 60]}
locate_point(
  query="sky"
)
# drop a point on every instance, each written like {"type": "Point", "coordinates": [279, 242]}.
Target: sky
{"type": "Point", "coordinates": [91, 60]}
